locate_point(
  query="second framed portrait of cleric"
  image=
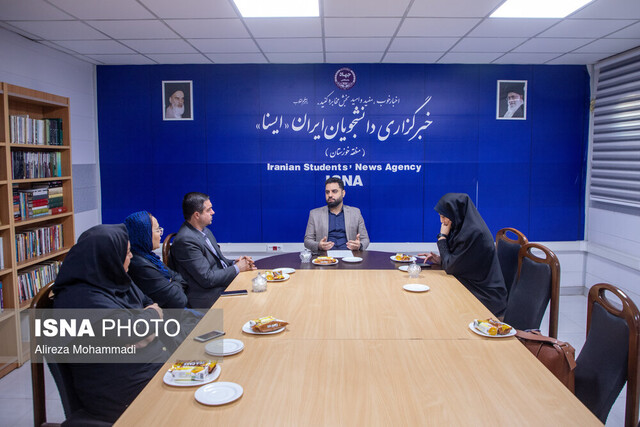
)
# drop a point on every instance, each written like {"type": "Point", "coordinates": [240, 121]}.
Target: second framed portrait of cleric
{"type": "Point", "coordinates": [177, 99]}
{"type": "Point", "coordinates": [511, 100]}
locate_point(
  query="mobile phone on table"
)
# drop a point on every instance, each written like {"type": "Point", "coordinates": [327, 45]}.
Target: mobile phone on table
{"type": "Point", "coordinates": [209, 336]}
{"type": "Point", "coordinates": [234, 293]}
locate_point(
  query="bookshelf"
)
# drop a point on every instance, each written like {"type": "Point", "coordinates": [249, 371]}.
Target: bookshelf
{"type": "Point", "coordinates": [38, 140]}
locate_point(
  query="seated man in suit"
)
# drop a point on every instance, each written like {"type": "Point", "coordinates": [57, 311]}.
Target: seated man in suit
{"type": "Point", "coordinates": [335, 226]}
{"type": "Point", "coordinates": [195, 254]}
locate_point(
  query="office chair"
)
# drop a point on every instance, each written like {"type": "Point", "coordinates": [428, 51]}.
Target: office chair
{"type": "Point", "coordinates": [75, 415]}
{"type": "Point", "coordinates": [508, 249]}
{"type": "Point", "coordinates": [609, 356]}
{"type": "Point", "coordinates": [166, 248]}
{"type": "Point", "coordinates": [537, 283]}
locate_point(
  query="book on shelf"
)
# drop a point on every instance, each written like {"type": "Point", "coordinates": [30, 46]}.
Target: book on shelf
{"type": "Point", "coordinates": [33, 279]}
{"type": "Point", "coordinates": [29, 165]}
{"type": "Point", "coordinates": [55, 195]}
{"type": "Point", "coordinates": [1, 254]}
{"type": "Point", "coordinates": [38, 241]}
{"type": "Point", "coordinates": [1, 298]}
{"type": "Point", "coordinates": [25, 130]}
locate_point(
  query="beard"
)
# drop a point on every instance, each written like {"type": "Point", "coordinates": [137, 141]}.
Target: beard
{"type": "Point", "coordinates": [334, 203]}
{"type": "Point", "coordinates": [177, 111]}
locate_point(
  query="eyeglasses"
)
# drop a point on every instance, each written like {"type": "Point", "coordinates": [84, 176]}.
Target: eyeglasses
{"type": "Point", "coordinates": [159, 230]}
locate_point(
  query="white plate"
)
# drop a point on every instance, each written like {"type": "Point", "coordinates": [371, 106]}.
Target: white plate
{"type": "Point", "coordinates": [403, 268]}
{"type": "Point", "coordinates": [352, 259]}
{"type": "Point", "coordinates": [169, 380]}
{"type": "Point", "coordinates": [333, 263]}
{"type": "Point", "coordinates": [224, 347]}
{"type": "Point", "coordinates": [393, 258]}
{"type": "Point", "coordinates": [285, 277]}
{"type": "Point", "coordinates": [510, 334]}
{"type": "Point", "coordinates": [285, 270]}
{"type": "Point", "coordinates": [247, 328]}
{"type": "Point", "coordinates": [219, 393]}
{"type": "Point", "coordinates": [415, 287]}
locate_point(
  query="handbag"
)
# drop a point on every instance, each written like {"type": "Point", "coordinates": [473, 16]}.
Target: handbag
{"type": "Point", "coordinates": [558, 356]}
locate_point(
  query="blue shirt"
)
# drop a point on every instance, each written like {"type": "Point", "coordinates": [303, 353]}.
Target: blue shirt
{"type": "Point", "coordinates": [337, 230]}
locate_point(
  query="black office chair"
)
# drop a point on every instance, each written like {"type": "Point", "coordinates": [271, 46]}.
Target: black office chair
{"type": "Point", "coordinates": [75, 415]}
{"type": "Point", "coordinates": [537, 283]}
{"type": "Point", "coordinates": [609, 356]}
{"type": "Point", "coordinates": [166, 249]}
{"type": "Point", "coordinates": [508, 249]}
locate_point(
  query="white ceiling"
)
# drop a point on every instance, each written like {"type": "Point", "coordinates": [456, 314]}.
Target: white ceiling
{"type": "Point", "coordinates": [355, 31]}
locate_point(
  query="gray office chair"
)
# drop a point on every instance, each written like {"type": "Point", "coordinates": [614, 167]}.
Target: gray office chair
{"type": "Point", "coordinates": [537, 284]}
{"type": "Point", "coordinates": [609, 357]}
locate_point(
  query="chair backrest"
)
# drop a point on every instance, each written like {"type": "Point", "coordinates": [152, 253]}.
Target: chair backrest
{"type": "Point", "coordinates": [44, 299]}
{"type": "Point", "coordinates": [508, 249]}
{"type": "Point", "coordinates": [537, 283]}
{"type": "Point", "coordinates": [609, 356]}
{"type": "Point", "coordinates": [166, 248]}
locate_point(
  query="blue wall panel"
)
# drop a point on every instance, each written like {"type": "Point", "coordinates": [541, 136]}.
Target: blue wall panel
{"type": "Point", "coordinates": [248, 119]}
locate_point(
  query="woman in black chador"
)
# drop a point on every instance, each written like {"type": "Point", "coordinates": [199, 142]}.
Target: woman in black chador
{"type": "Point", "coordinates": [94, 276]}
{"type": "Point", "coordinates": [467, 251]}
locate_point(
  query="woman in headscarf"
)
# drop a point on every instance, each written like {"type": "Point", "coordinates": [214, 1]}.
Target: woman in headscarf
{"type": "Point", "coordinates": [94, 275]}
{"type": "Point", "coordinates": [467, 251]}
{"type": "Point", "coordinates": [156, 280]}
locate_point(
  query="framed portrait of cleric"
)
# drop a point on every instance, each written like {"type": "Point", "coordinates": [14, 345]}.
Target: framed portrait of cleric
{"type": "Point", "coordinates": [512, 100]}
{"type": "Point", "coordinates": [177, 99]}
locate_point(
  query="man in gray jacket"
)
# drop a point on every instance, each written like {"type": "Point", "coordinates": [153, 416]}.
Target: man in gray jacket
{"type": "Point", "coordinates": [196, 255]}
{"type": "Point", "coordinates": [335, 226]}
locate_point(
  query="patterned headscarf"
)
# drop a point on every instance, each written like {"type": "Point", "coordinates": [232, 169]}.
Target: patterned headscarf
{"type": "Point", "coordinates": [139, 226]}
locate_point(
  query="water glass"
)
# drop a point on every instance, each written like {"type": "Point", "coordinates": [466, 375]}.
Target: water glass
{"type": "Point", "coordinates": [305, 256]}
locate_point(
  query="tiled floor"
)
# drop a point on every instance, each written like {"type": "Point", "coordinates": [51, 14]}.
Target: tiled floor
{"type": "Point", "coordinates": [15, 388]}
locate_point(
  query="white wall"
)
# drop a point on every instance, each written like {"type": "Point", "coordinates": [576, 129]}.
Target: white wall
{"type": "Point", "coordinates": [32, 65]}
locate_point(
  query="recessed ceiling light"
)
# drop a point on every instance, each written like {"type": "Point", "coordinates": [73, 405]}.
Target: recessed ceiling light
{"type": "Point", "coordinates": [538, 8]}
{"type": "Point", "coordinates": [277, 8]}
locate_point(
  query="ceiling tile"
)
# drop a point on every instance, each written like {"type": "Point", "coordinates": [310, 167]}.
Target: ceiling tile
{"type": "Point", "coordinates": [291, 45]}
{"type": "Point", "coordinates": [360, 27]}
{"type": "Point", "coordinates": [208, 28]}
{"type": "Point", "coordinates": [187, 58]}
{"type": "Point", "coordinates": [586, 28]}
{"type": "Point", "coordinates": [550, 45]}
{"type": "Point", "coordinates": [30, 10]}
{"type": "Point", "coordinates": [439, 27]}
{"type": "Point", "coordinates": [525, 58]}
{"type": "Point", "coordinates": [609, 45]}
{"type": "Point", "coordinates": [577, 59]}
{"type": "Point", "coordinates": [295, 58]}
{"type": "Point", "coordinates": [422, 44]}
{"type": "Point", "coordinates": [134, 29]}
{"type": "Point", "coordinates": [341, 8]}
{"type": "Point", "coordinates": [95, 46]}
{"type": "Point", "coordinates": [354, 57]}
{"type": "Point", "coordinates": [411, 57]}
{"type": "Point", "coordinates": [458, 8]}
{"type": "Point", "coordinates": [629, 9]}
{"type": "Point", "coordinates": [191, 9]}
{"type": "Point", "coordinates": [487, 44]}
{"type": "Point", "coordinates": [284, 27]}
{"type": "Point", "coordinates": [59, 30]}
{"type": "Point", "coordinates": [356, 44]}
{"type": "Point", "coordinates": [122, 59]}
{"type": "Point", "coordinates": [237, 58]}
{"type": "Point", "coordinates": [630, 32]}
{"type": "Point", "coordinates": [101, 9]}
{"type": "Point", "coordinates": [505, 27]}
{"type": "Point", "coordinates": [225, 45]}
{"type": "Point", "coordinates": [160, 46]}
{"type": "Point", "coordinates": [468, 58]}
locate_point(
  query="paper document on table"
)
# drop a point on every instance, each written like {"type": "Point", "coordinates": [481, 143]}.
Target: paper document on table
{"type": "Point", "coordinates": [339, 254]}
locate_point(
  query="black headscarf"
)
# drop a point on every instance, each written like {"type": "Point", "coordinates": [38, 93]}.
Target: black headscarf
{"type": "Point", "coordinates": [469, 253]}
{"type": "Point", "coordinates": [97, 259]}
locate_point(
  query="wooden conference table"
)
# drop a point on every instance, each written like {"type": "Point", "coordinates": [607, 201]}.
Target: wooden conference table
{"type": "Point", "coordinates": [360, 350]}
